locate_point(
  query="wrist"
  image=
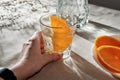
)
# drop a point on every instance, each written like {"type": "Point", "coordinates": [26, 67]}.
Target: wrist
{"type": "Point", "coordinates": [17, 72]}
{"type": "Point", "coordinates": [21, 71]}
{"type": "Point", "coordinates": [1, 78]}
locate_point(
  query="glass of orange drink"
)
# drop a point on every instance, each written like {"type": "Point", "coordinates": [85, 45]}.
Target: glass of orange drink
{"type": "Point", "coordinates": [57, 34]}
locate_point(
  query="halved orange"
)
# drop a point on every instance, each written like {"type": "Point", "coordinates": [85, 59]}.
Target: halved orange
{"type": "Point", "coordinates": [102, 52]}
{"type": "Point", "coordinates": [104, 40]}
{"type": "Point", "coordinates": [110, 56]}
{"type": "Point", "coordinates": [62, 37]}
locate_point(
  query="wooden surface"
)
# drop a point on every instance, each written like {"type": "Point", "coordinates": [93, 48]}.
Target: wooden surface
{"type": "Point", "coordinates": [94, 29]}
{"type": "Point", "coordinates": [73, 68]}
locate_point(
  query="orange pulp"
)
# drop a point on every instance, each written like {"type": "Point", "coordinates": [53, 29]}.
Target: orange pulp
{"type": "Point", "coordinates": [63, 34]}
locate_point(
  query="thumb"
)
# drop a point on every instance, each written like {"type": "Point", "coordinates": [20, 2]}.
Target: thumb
{"type": "Point", "coordinates": [52, 57]}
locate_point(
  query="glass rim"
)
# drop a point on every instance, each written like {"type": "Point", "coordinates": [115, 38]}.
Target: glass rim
{"type": "Point", "coordinates": [47, 16]}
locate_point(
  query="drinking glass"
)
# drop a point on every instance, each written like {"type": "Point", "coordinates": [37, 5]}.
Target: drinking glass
{"type": "Point", "coordinates": [57, 38]}
{"type": "Point", "coordinates": [75, 11]}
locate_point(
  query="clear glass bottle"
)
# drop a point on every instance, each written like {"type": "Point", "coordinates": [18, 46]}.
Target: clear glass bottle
{"type": "Point", "coordinates": [75, 10]}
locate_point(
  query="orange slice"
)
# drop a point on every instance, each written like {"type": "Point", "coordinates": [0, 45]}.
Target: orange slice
{"type": "Point", "coordinates": [110, 56]}
{"type": "Point", "coordinates": [104, 40]}
{"type": "Point", "coordinates": [63, 35]}
{"type": "Point", "coordinates": [56, 21]}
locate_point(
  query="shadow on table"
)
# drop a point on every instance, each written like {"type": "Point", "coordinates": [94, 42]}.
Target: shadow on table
{"type": "Point", "coordinates": [72, 68]}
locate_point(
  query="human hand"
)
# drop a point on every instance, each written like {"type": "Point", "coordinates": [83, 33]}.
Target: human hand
{"type": "Point", "coordinates": [32, 58]}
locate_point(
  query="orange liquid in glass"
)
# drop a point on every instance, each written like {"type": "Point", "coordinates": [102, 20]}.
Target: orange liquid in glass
{"type": "Point", "coordinates": [61, 39]}
{"type": "Point", "coordinates": [63, 34]}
